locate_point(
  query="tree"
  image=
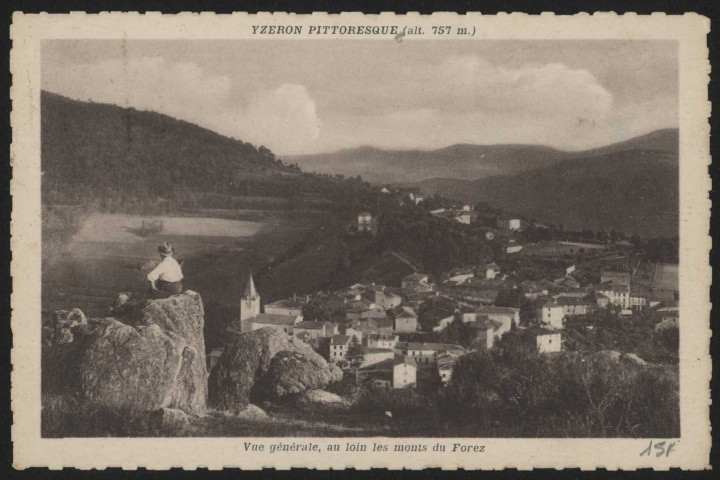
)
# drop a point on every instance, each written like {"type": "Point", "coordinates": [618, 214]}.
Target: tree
{"type": "Point", "coordinates": [355, 356]}
{"type": "Point", "coordinates": [316, 310]}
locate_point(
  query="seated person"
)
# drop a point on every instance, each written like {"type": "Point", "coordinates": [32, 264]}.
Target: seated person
{"type": "Point", "coordinates": [167, 276]}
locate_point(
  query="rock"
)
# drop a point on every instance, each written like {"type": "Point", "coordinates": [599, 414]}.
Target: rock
{"type": "Point", "coordinates": [252, 412]}
{"type": "Point", "coordinates": [65, 319]}
{"type": "Point", "coordinates": [59, 330]}
{"type": "Point", "coordinates": [157, 363]}
{"type": "Point", "coordinates": [168, 421]}
{"type": "Point", "coordinates": [608, 355]}
{"type": "Point", "coordinates": [247, 359]}
{"type": "Point", "coordinates": [293, 373]}
{"type": "Point", "coordinates": [632, 358]}
{"type": "Point", "coordinates": [322, 397]}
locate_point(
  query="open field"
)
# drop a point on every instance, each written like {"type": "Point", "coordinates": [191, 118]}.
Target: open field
{"type": "Point", "coordinates": [106, 255]}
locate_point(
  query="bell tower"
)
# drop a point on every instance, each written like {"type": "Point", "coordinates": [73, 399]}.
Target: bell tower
{"type": "Point", "coordinates": [249, 305]}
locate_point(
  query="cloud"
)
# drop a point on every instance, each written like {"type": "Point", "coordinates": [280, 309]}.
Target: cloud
{"type": "Point", "coordinates": [284, 118]}
{"type": "Point", "coordinates": [472, 84]}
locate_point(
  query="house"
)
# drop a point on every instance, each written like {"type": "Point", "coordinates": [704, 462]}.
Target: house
{"type": "Point", "coordinates": [610, 276]}
{"type": "Point", "coordinates": [364, 310]}
{"type": "Point", "coordinates": [384, 190]}
{"type": "Point", "coordinates": [463, 218]}
{"type": "Point", "coordinates": [309, 330]}
{"type": "Point", "coordinates": [364, 222]}
{"type": "Point", "coordinates": [416, 282]}
{"type": "Point", "coordinates": [637, 300]}
{"type": "Point", "coordinates": [467, 208]}
{"type": "Point", "coordinates": [548, 341]}
{"type": "Point", "coordinates": [507, 316]}
{"type": "Point", "coordinates": [339, 345]}
{"type": "Point", "coordinates": [427, 353]}
{"type": "Point", "coordinates": [249, 305]}
{"type": "Point", "coordinates": [445, 364]}
{"type": "Point", "coordinates": [490, 271]}
{"type": "Point", "coordinates": [373, 325]}
{"type": "Point", "coordinates": [406, 321]}
{"type": "Point", "coordinates": [576, 306]}
{"type": "Point", "coordinates": [618, 293]}
{"type": "Point", "coordinates": [602, 300]}
{"type": "Point", "coordinates": [460, 275]}
{"type": "Point", "coordinates": [374, 356]}
{"type": "Point", "coordinates": [533, 290]}
{"type": "Point", "coordinates": [382, 297]}
{"type": "Point", "coordinates": [378, 340]}
{"type": "Point", "coordinates": [552, 315]}
{"type": "Point", "coordinates": [404, 372]}
{"type": "Point", "coordinates": [475, 293]}
{"type": "Point", "coordinates": [290, 306]}
{"type": "Point", "coordinates": [509, 223]}
{"type": "Point", "coordinates": [514, 248]}
{"type": "Point", "coordinates": [281, 323]}
{"type": "Point", "coordinates": [483, 333]}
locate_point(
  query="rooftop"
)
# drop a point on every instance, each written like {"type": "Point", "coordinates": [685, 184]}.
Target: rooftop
{"type": "Point", "coordinates": [340, 340]}
{"type": "Point", "coordinates": [310, 325]}
{"type": "Point", "coordinates": [273, 319]}
{"type": "Point", "coordinates": [287, 303]}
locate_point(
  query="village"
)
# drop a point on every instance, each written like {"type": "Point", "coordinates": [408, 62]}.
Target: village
{"type": "Point", "coordinates": [411, 334]}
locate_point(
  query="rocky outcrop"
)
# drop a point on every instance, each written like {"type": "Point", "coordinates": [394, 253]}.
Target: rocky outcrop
{"type": "Point", "coordinates": [321, 397]}
{"type": "Point", "coordinates": [265, 363]}
{"type": "Point", "coordinates": [155, 359]}
{"type": "Point", "coordinates": [293, 373]}
{"type": "Point", "coordinates": [59, 330]}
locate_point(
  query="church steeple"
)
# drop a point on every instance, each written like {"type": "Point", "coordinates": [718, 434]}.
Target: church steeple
{"type": "Point", "coordinates": [249, 305]}
{"type": "Point", "coordinates": [250, 291]}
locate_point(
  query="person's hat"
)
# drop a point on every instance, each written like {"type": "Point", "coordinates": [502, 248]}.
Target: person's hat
{"type": "Point", "coordinates": [165, 249]}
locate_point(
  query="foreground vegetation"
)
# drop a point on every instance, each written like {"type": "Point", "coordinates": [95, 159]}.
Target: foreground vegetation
{"type": "Point", "coordinates": [508, 393]}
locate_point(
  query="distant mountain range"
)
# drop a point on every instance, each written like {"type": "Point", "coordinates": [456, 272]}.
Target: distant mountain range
{"type": "Point", "coordinates": [631, 186]}
{"type": "Point", "coordinates": [457, 161]}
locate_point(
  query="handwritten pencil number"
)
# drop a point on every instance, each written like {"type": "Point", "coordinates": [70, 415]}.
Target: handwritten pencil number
{"type": "Point", "coordinates": [660, 449]}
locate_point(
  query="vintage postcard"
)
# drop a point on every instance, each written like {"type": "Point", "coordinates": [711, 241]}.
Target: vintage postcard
{"type": "Point", "coordinates": [334, 241]}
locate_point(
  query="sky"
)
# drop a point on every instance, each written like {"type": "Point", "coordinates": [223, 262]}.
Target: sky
{"type": "Point", "coordinates": [311, 96]}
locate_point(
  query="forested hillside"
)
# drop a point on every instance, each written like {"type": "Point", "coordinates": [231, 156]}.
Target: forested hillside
{"type": "Point", "coordinates": [116, 158]}
{"type": "Point", "coordinates": [632, 187]}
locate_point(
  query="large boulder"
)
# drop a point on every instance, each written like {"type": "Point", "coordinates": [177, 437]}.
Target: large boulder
{"type": "Point", "coordinates": [321, 397]}
{"type": "Point", "coordinates": [239, 374]}
{"type": "Point", "coordinates": [156, 362]}
{"type": "Point", "coordinates": [293, 373]}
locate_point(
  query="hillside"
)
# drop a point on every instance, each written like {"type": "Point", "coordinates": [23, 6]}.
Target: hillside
{"type": "Point", "coordinates": [631, 187]}
{"type": "Point", "coordinates": [117, 157]}
{"type": "Point", "coordinates": [457, 161]}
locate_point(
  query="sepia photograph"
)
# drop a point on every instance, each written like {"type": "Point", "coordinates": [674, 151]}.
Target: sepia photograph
{"type": "Point", "coordinates": [360, 238]}
{"type": "Point", "coordinates": [355, 241]}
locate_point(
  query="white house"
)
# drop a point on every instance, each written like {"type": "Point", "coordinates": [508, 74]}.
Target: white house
{"type": "Point", "coordinates": [509, 223]}
{"type": "Point", "coordinates": [548, 341]}
{"type": "Point", "coordinates": [490, 271]}
{"type": "Point", "coordinates": [552, 315]}
{"type": "Point", "coordinates": [281, 323]}
{"type": "Point", "coordinates": [377, 340]}
{"type": "Point", "coordinates": [618, 293]}
{"type": "Point", "coordinates": [505, 315]}
{"type": "Point", "coordinates": [310, 330]}
{"type": "Point", "coordinates": [404, 372]}
{"type": "Point", "coordinates": [364, 222]}
{"type": "Point", "coordinates": [426, 353]}
{"type": "Point", "coordinates": [373, 356]}
{"type": "Point", "coordinates": [414, 280]}
{"type": "Point", "coordinates": [463, 218]}
{"type": "Point", "coordinates": [339, 345]}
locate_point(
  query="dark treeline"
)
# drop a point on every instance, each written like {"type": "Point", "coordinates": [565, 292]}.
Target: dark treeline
{"type": "Point", "coordinates": [117, 158]}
